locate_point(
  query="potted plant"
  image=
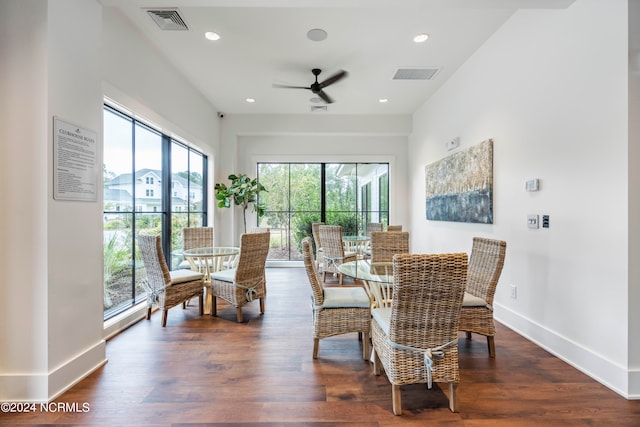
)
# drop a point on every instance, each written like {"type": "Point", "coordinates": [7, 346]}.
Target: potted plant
{"type": "Point", "coordinates": [243, 191]}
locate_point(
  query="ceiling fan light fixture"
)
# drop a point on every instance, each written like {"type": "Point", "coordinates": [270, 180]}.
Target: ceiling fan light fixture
{"type": "Point", "coordinates": [421, 38]}
{"type": "Point", "coordinates": [316, 34]}
{"type": "Point", "coordinates": [211, 35]}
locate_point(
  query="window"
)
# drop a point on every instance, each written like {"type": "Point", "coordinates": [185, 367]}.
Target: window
{"type": "Point", "coordinates": [299, 194]}
{"type": "Point", "coordinates": [140, 166]}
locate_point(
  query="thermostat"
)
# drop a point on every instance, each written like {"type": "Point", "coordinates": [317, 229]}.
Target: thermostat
{"type": "Point", "coordinates": [532, 185]}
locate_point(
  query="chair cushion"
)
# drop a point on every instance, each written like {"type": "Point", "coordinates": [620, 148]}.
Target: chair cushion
{"type": "Point", "coordinates": [351, 296]}
{"type": "Point", "coordinates": [181, 276]}
{"type": "Point", "coordinates": [184, 265]}
{"type": "Point", "coordinates": [382, 316]}
{"type": "Point", "coordinates": [473, 301]}
{"type": "Point", "coordinates": [228, 275]}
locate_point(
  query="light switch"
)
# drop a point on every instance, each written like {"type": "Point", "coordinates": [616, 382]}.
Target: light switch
{"type": "Point", "coordinates": [532, 221]}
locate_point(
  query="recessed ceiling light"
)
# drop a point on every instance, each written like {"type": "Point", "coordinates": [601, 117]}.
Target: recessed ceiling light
{"type": "Point", "coordinates": [250, 100]}
{"type": "Point", "coordinates": [210, 35]}
{"type": "Point", "coordinates": [317, 34]}
{"type": "Point", "coordinates": [421, 38]}
{"type": "Point", "coordinates": [383, 100]}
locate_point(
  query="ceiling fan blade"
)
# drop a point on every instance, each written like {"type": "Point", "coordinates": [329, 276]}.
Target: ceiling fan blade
{"type": "Point", "coordinates": [326, 98]}
{"type": "Point", "coordinates": [336, 77]}
{"type": "Point", "coordinates": [290, 87]}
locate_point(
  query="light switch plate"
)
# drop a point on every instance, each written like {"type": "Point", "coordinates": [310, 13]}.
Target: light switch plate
{"type": "Point", "coordinates": [532, 221]}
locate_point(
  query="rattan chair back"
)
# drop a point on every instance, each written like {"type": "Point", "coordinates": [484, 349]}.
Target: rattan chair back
{"type": "Point", "coordinates": [159, 284]}
{"type": "Point", "coordinates": [485, 267]}
{"type": "Point", "coordinates": [423, 323]}
{"type": "Point", "coordinates": [374, 226]}
{"type": "Point", "coordinates": [317, 294]}
{"type": "Point", "coordinates": [348, 309]}
{"type": "Point", "coordinates": [384, 245]}
{"type": "Point", "coordinates": [197, 237]}
{"type": "Point", "coordinates": [248, 282]}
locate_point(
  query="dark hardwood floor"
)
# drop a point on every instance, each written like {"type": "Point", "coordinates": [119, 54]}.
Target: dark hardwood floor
{"type": "Point", "coordinates": [214, 372]}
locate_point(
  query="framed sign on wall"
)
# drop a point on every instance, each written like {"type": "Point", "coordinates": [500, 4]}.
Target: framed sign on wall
{"type": "Point", "coordinates": [74, 162]}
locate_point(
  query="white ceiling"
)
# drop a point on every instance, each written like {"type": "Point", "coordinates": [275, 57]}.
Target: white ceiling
{"type": "Point", "coordinates": [264, 42]}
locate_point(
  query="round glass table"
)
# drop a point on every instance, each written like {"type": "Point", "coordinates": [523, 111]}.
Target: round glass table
{"type": "Point", "coordinates": [377, 279]}
{"type": "Point", "coordinates": [209, 260]}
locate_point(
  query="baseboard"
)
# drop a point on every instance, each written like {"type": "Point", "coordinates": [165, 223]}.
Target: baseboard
{"type": "Point", "coordinates": [608, 373]}
{"type": "Point", "coordinates": [73, 371]}
{"type": "Point", "coordinates": [41, 388]}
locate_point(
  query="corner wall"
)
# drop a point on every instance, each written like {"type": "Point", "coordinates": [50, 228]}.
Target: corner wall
{"type": "Point", "coordinates": [552, 93]}
{"type": "Point", "coordinates": [50, 310]}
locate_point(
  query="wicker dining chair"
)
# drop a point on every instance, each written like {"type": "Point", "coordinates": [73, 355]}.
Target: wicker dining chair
{"type": "Point", "coordinates": [394, 228]}
{"type": "Point", "coordinates": [195, 237]}
{"type": "Point", "coordinates": [371, 227]}
{"type": "Point", "coordinates": [164, 287]}
{"type": "Point", "coordinates": [485, 266]}
{"type": "Point", "coordinates": [336, 311]}
{"type": "Point", "coordinates": [384, 245]}
{"type": "Point", "coordinates": [333, 250]}
{"type": "Point", "coordinates": [315, 231]}
{"type": "Point", "coordinates": [416, 339]}
{"type": "Point", "coordinates": [246, 282]}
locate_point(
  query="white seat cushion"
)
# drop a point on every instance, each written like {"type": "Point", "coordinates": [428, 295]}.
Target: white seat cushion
{"type": "Point", "coordinates": [184, 265]}
{"type": "Point", "coordinates": [228, 275]}
{"type": "Point", "coordinates": [352, 297]}
{"type": "Point", "coordinates": [473, 301]}
{"type": "Point", "coordinates": [181, 276]}
{"type": "Point", "coordinates": [382, 316]}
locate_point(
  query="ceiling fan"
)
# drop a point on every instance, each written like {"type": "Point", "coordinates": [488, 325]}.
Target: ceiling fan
{"type": "Point", "coordinates": [318, 87]}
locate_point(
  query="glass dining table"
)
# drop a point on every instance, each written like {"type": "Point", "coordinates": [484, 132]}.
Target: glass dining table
{"type": "Point", "coordinates": [210, 260]}
{"type": "Point", "coordinates": [377, 279]}
{"type": "Point", "coordinates": [356, 244]}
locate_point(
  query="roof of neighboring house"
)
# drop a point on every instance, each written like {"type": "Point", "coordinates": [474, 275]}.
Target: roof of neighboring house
{"type": "Point", "coordinates": [125, 178]}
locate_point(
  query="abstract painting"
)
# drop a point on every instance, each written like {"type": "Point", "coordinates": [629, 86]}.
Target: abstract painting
{"type": "Point", "coordinates": [460, 187]}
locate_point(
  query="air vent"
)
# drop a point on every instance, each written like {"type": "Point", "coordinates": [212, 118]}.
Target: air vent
{"type": "Point", "coordinates": [168, 19]}
{"type": "Point", "coordinates": [315, 108]}
{"type": "Point", "coordinates": [415, 73]}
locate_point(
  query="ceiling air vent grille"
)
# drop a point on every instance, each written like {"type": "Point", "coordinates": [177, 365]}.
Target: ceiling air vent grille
{"type": "Point", "coordinates": [168, 19]}
{"type": "Point", "coordinates": [415, 73]}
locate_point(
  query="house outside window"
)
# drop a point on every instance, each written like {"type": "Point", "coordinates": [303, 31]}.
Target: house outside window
{"type": "Point", "coordinates": [141, 165]}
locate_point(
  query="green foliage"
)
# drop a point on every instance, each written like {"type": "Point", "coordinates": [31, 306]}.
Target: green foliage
{"type": "Point", "coordinates": [348, 221]}
{"type": "Point", "coordinates": [302, 228]}
{"type": "Point", "coordinates": [243, 191]}
{"type": "Point", "coordinates": [117, 262]}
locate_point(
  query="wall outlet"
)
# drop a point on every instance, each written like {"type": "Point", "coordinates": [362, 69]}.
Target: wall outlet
{"type": "Point", "coordinates": [514, 291]}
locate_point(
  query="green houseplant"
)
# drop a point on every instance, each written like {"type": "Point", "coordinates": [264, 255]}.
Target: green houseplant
{"type": "Point", "coordinates": [243, 191]}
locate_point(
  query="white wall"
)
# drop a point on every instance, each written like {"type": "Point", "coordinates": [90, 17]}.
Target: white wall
{"type": "Point", "coordinates": [60, 58]}
{"type": "Point", "coordinates": [249, 139]}
{"type": "Point", "coordinates": [136, 76]}
{"type": "Point", "coordinates": [50, 308]}
{"type": "Point", "coordinates": [550, 87]}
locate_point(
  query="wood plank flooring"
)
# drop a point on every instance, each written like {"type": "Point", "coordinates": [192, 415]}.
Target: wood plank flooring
{"type": "Point", "coordinates": [205, 371]}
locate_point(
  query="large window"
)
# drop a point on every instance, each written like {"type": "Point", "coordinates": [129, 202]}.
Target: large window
{"type": "Point", "coordinates": [299, 194]}
{"type": "Point", "coordinates": [152, 184]}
